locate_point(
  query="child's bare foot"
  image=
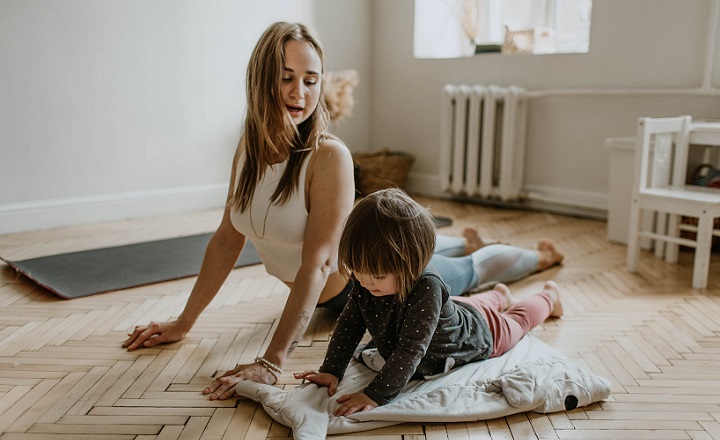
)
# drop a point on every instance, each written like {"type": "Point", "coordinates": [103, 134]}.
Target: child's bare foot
{"type": "Point", "coordinates": [548, 255]}
{"type": "Point", "coordinates": [557, 308]}
{"type": "Point", "coordinates": [510, 300]}
{"type": "Point", "coordinates": [473, 241]}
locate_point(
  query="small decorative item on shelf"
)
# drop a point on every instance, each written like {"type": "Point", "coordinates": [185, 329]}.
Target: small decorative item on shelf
{"type": "Point", "coordinates": [382, 169]}
{"type": "Point", "coordinates": [709, 176]}
{"type": "Point", "coordinates": [520, 41]}
{"type": "Point", "coordinates": [538, 40]}
{"type": "Point", "coordinates": [706, 175]}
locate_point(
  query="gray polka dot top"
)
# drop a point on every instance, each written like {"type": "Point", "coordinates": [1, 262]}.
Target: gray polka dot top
{"type": "Point", "coordinates": [416, 338]}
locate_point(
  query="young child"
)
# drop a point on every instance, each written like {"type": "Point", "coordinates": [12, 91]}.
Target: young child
{"type": "Point", "coordinates": [417, 328]}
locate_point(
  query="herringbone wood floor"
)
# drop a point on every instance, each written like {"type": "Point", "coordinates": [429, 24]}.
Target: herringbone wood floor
{"type": "Point", "coordinates": [63, 374]}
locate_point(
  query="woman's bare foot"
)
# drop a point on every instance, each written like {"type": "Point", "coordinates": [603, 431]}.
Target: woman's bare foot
{"type": "Point", "coordinates": [473, 241]}
{"type": "Point", "coordinates": [548, 255]}
{"type": "Point", "coordinates": [510, 300]}
{"type": "Point", "coordinates": [552, 289]}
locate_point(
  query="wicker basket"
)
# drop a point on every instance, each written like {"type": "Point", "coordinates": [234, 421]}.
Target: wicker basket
{"type": "Point", "coordinates": [382, 169]}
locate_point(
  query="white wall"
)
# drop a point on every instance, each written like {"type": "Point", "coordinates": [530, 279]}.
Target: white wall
{"type": "Point", "coordinates": [345, 29]}
{"type": "Point", "coordinates": [647, 58]}
{"type": "Point", "coordinates": [113, 109]}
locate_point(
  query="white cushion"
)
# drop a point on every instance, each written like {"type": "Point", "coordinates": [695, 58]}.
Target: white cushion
{"type": "Point", "coordinates": [531, 377]}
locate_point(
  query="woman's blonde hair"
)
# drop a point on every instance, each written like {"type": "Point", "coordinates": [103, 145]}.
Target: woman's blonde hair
{"type": "Point", "coordinates": [388, 233]}
{"type": "Point", "coordinates": [268, 128]}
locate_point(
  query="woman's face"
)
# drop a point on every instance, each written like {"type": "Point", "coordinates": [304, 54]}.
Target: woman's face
{"type": "Point", "coordinates": [301, 80]}
{"type": "Point", "coordinates": [383, 285]}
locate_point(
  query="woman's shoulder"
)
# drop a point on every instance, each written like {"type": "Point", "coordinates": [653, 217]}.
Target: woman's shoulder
{"type": "Point", "coordinates": [331, 143]}
{"type": "Point", "coordinates": [331, 152]}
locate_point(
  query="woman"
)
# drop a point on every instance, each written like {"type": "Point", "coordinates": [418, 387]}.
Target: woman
{"type": "Point", "coordinates": [291, 189]}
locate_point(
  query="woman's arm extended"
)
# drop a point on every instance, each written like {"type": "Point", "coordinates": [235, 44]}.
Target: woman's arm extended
{"type": "Point", "coordinates": [220, 256]}
{"type": "Point", "coordinates": [330, 197]}
{"type": "Point", "coordinates": [330, 200]}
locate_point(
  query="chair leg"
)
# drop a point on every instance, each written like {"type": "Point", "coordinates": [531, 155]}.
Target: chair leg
{"type": "Point", "coordinates": [647, 223]}
{"type": "Point", "coordinates": [633, 246]}
{"type": "Point", "coordinates": [660, 228]}
{"type": "Point", "coordinates": [671, 249]}
{"type": "Point", "coordinates": [701, 266]}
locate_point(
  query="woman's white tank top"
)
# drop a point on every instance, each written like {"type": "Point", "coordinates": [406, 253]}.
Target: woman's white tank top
{"type": "Point", "coordinates": [277, 231]}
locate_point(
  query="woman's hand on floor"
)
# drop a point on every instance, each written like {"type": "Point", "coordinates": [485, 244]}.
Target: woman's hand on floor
{"type": "Point", "coordinates": [153, 334]}
{"type": "Point", "coordinates": [224, 386]}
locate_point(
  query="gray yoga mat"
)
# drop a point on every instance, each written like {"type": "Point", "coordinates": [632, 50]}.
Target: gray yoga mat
{"type": "Point", "coordinates": [84, 273]}
{"type": "Point", "coordinates": [441, 222]}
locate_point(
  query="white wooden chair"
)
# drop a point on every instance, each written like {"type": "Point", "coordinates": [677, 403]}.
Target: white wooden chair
{"type": "Point", "coordinates": [659, 186]}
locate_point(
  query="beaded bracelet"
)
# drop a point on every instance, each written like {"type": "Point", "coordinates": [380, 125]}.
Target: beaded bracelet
{"type": "Point", "coordinates": [272, 368]}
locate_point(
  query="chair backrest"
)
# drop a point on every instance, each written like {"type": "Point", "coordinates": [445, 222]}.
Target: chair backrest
{"type": "Point", "coordinates": [661, 158]}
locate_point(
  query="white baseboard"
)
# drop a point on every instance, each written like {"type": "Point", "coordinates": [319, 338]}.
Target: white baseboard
{"type": "Point", "coordinates": [589, 204]}
{"type": "Point", "coordinates": [45, 214]}
{"type": "Point", "coordinates": [558, 196]}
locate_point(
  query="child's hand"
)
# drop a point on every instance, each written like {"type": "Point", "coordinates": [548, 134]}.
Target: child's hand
{"type": "Point", "coordinates": [352, 403]}
{"type": "Point", "coordinates": [323, 379]}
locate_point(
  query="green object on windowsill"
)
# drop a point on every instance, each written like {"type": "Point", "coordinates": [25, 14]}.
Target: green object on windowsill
{"type": "Point", "coordinates": [488, 48]}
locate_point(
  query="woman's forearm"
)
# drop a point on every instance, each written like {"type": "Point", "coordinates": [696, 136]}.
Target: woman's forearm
{"type": "Point", "coordinates": [297, 314]}
{"type": "Point", "coordinates": [220, 257]}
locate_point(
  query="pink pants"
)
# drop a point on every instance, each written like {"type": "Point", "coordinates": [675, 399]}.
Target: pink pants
{"type": "Point", "coordinates": [509, 326]}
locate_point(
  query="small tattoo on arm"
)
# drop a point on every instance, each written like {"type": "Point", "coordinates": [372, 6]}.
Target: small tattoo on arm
{"type": "Point", "coordinates": [304, 320]}
{"type": "Point", "coordinates": [293, 346]}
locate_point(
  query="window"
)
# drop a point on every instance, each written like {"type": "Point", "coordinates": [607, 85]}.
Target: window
{"type": "Point", "coordinates": [457, 28]}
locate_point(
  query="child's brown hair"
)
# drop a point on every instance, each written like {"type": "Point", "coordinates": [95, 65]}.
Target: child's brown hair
{"type": "Point", "coordinates": [388, 233]}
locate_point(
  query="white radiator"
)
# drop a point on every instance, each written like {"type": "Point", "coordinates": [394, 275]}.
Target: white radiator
{"type": "Point", "coordinates": [482, 141]}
